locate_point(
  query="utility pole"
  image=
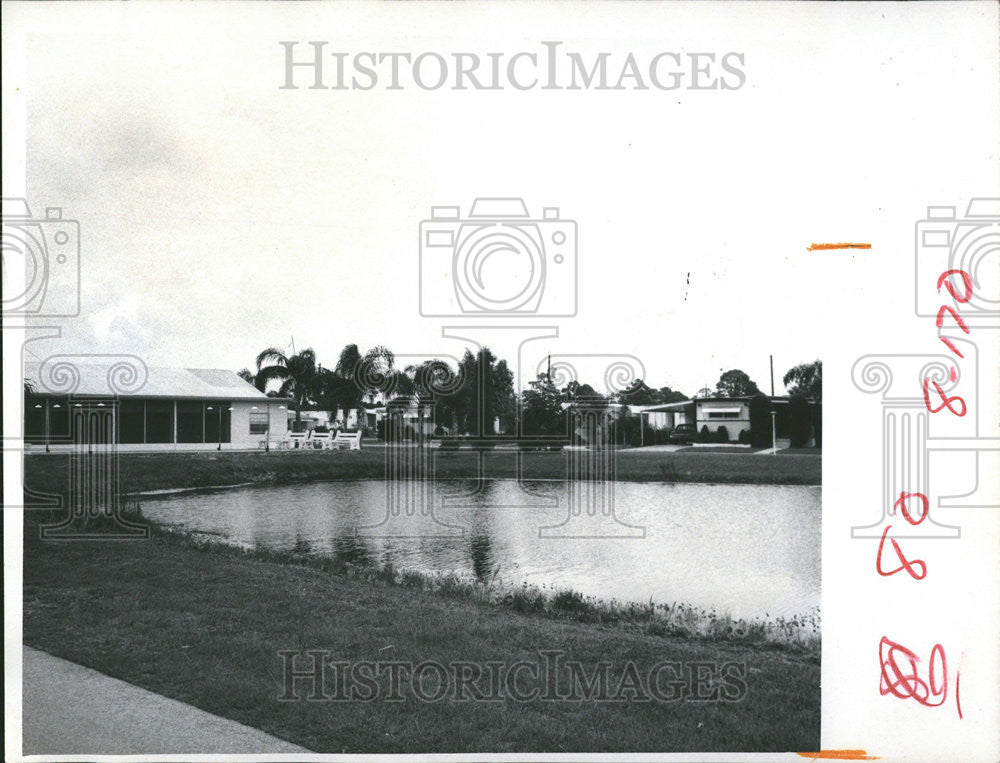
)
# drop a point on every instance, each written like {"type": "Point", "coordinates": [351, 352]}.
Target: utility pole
{"type": "Point", "coordinates": [772, 374]}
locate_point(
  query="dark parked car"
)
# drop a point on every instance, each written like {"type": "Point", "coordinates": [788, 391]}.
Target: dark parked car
{"type": "Point", "coordinates": [683, 433]}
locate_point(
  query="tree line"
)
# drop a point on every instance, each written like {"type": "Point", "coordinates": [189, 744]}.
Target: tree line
{"type": "Point", "coordinates": [472, 398]}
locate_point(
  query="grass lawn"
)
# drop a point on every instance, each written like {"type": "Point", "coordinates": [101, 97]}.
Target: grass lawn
{"type": "Point", "coordinates": [207, 627]}
{"type": "Point", "coordinates": [158, 471]}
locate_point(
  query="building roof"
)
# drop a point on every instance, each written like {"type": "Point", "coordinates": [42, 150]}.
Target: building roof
{"type": "Point", "coordinates": [776, 399]}
{"type": "Point", "coordinates": [129, 377]}
{"type": "Point", "coordinates": [666, 407]}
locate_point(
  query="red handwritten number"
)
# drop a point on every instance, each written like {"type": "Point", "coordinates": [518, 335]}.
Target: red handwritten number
{"type": "Point", "coordinates": [901, 505]}
{"type": "Point", "coordinates": [916, 569]}
{"type": "Point", "coordinates": [958, 318]}
{"type": "Point", "coordinates": [945, 278]}
{"type": "Point", "coordinates": [951, 346]}
{"type": "Point", "coordinates": [946, 400]}
{"type": "Point", "coordinates": [901, 679]}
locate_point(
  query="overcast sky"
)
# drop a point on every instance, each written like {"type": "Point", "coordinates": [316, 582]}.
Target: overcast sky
{"type": "Point", "coordinates": [221, 215]}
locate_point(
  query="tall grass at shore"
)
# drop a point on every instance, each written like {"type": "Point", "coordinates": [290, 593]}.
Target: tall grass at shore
{"type": "Point", "coordinates": [801, 633]}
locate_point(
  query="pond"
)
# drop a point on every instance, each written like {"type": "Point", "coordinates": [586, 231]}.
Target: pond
{"type": "Point", "coordinates": [743, 550]}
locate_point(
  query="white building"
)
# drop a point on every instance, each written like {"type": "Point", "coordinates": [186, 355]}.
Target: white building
{"type": "Point", "coordinates": [663, 415]}
{"type": "Point", "coordinates": [715, 413]}
{"type": "Point", "coordinates": [733, 413]}
{"type": "Point", "coordinates": [69, 405]}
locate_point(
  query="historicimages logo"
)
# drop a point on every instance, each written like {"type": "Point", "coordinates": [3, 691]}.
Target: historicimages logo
{"type": "Point", "coordinates": [313, 66]}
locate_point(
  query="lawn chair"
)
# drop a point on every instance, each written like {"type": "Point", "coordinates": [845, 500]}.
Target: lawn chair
{"type": "Point", "coordinates": [321, 440]}
{"type": "Point", "coordinates": [274, 443]}
{"type": "Point", "coordinates": [352, 440]}
{"type": "Point", "coordinates": [299, 439]}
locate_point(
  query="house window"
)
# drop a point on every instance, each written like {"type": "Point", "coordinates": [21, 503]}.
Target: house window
{"type": "Point", "coordinates": [131, 414]}
{"type": "Point", "coordinates": [92, 424]}
{"type": "Point", "coordinates": [34, 419]}
{"type": "Point", "coordinates": [723, 414]}
{"type": "Point", "coordinates": [159, 421]}
{"type": "Point", "coordinates": [190, 422]}
{"type": "Point", "coordinates": [258, 422]}
{"type": "Point", "coordinates": [59, 419]}
{"type": "Point", "coordinates": [217, 419]}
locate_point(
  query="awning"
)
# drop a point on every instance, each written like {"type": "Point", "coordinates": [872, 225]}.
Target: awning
{"type": "Point", "coordinates": [713, 409]}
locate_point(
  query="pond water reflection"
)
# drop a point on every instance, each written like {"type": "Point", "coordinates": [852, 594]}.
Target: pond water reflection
{"type": "Point", "coordinates": [745, 550]}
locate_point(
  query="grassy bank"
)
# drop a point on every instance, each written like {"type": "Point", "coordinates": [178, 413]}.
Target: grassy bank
{"type": "Point", "coordinates": [799, 634]}
{"type": "Point", "coordinates": [206, 625]}
{"type": "Point", "coordinates": [160, 471]}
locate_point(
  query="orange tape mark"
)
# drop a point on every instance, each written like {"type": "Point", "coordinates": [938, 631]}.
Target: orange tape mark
{"type": "Point", "coordinates": [838, 755]}
{"type": "Point", "coordinates": [822, 247]}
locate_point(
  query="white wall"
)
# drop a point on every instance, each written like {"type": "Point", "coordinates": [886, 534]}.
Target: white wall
{"type": "Point", "coordinates": [733, 426]}
{"type": "Point", "coordinates": [659, 419]}
{"type": "Point", "coordinates": [241, 439]}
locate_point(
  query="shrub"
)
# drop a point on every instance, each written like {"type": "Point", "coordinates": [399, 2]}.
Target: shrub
{"type": "Point", "coordinates": [568, 601]}
{"type": "Point", "coordinates": [760, 421]}
{"type": "Point", "coordinates": [744, 438]}
{"type": "Point", "coordinates": [722, 434]}
{"type": "Point", "coordinates": [526, 600]}
{"type": "Point", "coordinates": [817, 422]}
{"type": "Point", "coordinates": [705, 435]}
{"type": "Point", "coordinates": [628, 430]}
{"type": "Point", "coordinates": [438, 430]}
{"type": "Point", "coordinates": [798, 415]}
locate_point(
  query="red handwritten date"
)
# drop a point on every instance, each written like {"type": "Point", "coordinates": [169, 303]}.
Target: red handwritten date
{"type": "Point", "coordinates": [901, 674]}
{"type": "Point", "coordinates": [955, 404]}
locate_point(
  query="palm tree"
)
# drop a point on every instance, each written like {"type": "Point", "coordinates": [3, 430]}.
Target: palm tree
{"type": "Point", "coordinates": [333, 392]}
{"type": "Point", "coordinates": [364, 375]}
{"type": "Point", "coordinates": [348, 391]}
{"type": "Point", "coordinates": [297, 374]}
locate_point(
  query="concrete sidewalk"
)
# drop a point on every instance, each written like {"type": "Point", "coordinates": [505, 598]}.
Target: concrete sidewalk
{"type": "Point", "coordinates": [73, 710]}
